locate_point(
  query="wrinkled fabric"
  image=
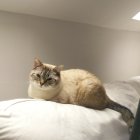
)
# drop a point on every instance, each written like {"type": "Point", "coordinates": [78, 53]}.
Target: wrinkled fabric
{"type": "Point", "coordinates": [32, 119]}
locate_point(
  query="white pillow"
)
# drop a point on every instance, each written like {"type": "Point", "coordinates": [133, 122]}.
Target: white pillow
{"type": "Point", "coordinates": [30, 119]}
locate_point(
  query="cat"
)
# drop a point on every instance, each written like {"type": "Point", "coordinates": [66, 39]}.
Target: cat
{"type": "Point", "coordinates": [73, 86]}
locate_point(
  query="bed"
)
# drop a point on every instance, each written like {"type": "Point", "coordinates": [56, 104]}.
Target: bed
{"type": "Point", "coordinates": [32, 119]}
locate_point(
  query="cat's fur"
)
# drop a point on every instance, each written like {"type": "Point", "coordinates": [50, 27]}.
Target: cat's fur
{"type": "Point", "coordinates": [74, 86]}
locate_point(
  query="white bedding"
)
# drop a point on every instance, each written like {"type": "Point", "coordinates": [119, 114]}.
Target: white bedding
{"type": "Point", "coordinates": [30, 119]}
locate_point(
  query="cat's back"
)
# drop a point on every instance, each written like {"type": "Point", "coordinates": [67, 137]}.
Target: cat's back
{"type": "Point", "coordinates": [78, 75]}
{"type": "Point", "coordinates": [75, 73]}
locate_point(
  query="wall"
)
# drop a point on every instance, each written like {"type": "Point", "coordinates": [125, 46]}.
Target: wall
{"type": "Point", "coordinates": [110, 54]}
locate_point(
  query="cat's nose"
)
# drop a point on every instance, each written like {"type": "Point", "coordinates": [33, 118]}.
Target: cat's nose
{"type": "Point", "coordinates": [41, 83]}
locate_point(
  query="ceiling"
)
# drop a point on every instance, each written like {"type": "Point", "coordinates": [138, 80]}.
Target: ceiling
{"type": "Point", "coordinates": [114, 14]}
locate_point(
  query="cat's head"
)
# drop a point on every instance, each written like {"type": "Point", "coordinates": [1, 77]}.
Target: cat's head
{"type": "Point", "coordinates": [45, 75]}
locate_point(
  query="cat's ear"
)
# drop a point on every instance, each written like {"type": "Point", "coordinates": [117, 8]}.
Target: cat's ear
{"type": "Point", "coordinates": [37, 63]}
{"type": "Point", "coordinates": [59, 68]}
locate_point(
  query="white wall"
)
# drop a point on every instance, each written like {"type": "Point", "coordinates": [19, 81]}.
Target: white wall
{"type": "Point", "coordinates": [110, 54]}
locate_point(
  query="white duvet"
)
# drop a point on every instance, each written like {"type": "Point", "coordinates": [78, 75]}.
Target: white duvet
{"type": "Point", "coordinates": [30, 119]}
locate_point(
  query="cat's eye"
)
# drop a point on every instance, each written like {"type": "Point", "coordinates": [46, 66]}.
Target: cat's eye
{"type": "Point", "coordinates": [38, 75]}
{"type": "Point", "coordinates": [49, 79]}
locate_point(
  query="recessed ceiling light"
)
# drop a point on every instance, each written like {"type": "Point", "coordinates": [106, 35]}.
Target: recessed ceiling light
{"type": "Point", "coordinates": [137, 16]}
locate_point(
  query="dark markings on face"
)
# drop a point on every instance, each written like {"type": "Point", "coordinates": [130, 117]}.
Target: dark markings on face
{"type": "Point", "coordinates": [45, 76]}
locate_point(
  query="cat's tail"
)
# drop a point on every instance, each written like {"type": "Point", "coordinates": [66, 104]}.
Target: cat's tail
{"type": "Point", "coordinates": [127, 115]}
